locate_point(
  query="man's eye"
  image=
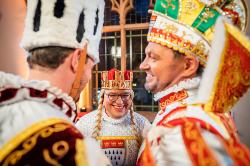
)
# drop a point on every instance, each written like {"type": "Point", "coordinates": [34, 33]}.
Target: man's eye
{"type": "Point", "coordinates": [112, 95]}
{"type": "Point", "coordinates": [153, 59]}
{"type": "Point", "coordinates": [126, 95]}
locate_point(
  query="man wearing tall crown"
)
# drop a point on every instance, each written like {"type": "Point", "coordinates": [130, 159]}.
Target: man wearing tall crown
{"type": "Point", "coordinates": [193, 126]}
{"type": "Point", "coordinates": [115, 125]}
{"type": "Point", "coordinates": [61, 39]}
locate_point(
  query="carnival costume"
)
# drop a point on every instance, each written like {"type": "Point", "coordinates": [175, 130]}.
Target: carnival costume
{"type": "Point", "coordinates": [36, 119]}
{"type": "Point", "coordinates": [192, 126]}
{"type": "Point", "coordinates": [119, 138]}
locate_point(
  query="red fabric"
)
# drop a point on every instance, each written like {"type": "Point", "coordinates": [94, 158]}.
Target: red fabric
{"type": "Point", "coordinates": [146, 158]}
{"type": "Point", "coordinates": [234, 15]}
{"type": "Point", "coordinates": [198, 151]}
{"type": "Point", "coordinates": [233, 79]}
{"type": "Point", "coordinates": [164, 120]}
{"type": "Point", "coordinates": [111, 74]}
{"type": "Point", "coordinates": [8, 94]}
{"type": "Point", "coordinates": [113, 144]}
{"type": "Point", "coordinates": [35, 154]}
{"type": "Point", "coordinates": [80, 114]}
{"type": "Point", "coordinates": [58, 102]}
{"type": "Point", "coordinates": [38, 93]}
{"type": "Point", "coordinates": [172, 97]}
{"type": "Point", "coordinates": [127, 75]}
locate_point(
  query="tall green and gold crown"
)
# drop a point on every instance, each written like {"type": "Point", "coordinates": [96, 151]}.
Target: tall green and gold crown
{"type": "Point", "coordinates": [187, 26]}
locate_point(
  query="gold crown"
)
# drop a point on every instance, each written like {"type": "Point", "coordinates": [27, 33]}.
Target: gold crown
{"type": "Point", "coordinates": [115, 79]}
{"type": "Point", "coordinates": [187, 26]}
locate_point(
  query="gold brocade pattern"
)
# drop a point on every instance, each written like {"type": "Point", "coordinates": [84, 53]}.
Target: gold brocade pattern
{"type": "Point", "coordinates": [59, 149]}
{"type": "Point", "coordinates": [189, 11]}
{"type": "Point", "coordinates": [29, 141]}
{"type": "Point", "coordinates": [117, 137]}
{"type": "Point", "coordinates": [205, 16]}
{"type": "Point", "coordinates": [233, 77]}
{"type": "Point", "coordinates": [168, 5]}
{"type": "Point", "coordinates": [173, 97]}
{"type": "Point", "coordinates": [199, 152]}
{"type": "Point", "coordinates": [237, 152]}
{"type": "Point", "coordinates": [81, 156]}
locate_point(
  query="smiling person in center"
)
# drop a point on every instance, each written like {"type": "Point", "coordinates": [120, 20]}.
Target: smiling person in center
{"type": "Point", "coordinates": [115, 125]}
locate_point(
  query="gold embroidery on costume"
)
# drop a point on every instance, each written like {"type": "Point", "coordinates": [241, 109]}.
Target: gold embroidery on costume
{"type": "Point", "coordinates": [27, 142]}
{"type": "Point", "coordinates": [189, 11]}
{"type": "Point", "coordinates": [59, 149]}
{"type": "Point", "coordinates": [190, 6]}
{"type": "Point", "coordinates": [234, 69]}
{"type": "Point", "coordinates": [170, 29]}
{"type": "Point", "coordinates": [31, 142]}
{"type": "Point", "coordinates": [81, 156]}
{"type": "Point", "coordinates": [117, 137]}
{"type": "Point", "coordinates": [171, 98]}
{"type": "Point", "coordinates": [205, 16]}
{"type": "Point", "coordinates": [197, 148]}
{"type": "Point", "coordinates": [115, 79]}
{"type": "Point", "coordinates": [168, 4]}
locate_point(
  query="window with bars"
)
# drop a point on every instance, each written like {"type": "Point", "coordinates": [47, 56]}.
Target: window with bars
{"type": "Point", "coordinates": [110, 53]}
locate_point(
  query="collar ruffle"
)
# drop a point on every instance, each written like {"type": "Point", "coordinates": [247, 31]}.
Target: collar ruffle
{"type": "Point", "coordinates": [20, 89]}
{"type": "Point", "coordinates": [188, 84]}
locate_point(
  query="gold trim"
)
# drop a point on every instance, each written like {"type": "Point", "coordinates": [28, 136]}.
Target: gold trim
{"type": "Point", "coordinates": [186, 26]}
{"type": "Point", "coordinates": [81, 156]}
{"type": "Point", "coordinates": [59, 149]}
{"type": "Point", "coordinates": [117, 137]}
{"type": "Point", "coordinates": [176, 47]}
{"type": "Point", "coordinates": [244, 40]}
{"type": "Point", "coordinates": [24, 134]}
{"type": "Point", "coordinates": [217, 121]}
{"type": "Point", "coordinates": [190, 11]}
{"type": "Point", "coordinates": [119, 81]}
{"type": "Point", "coordinates": [247, 15]}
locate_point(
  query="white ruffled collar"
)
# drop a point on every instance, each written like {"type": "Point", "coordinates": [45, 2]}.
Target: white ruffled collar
{"type": "Point", "coordinates": [188, 84]}
{"type": "Point", "coordinates": [12, 81]}
{"type": "Point", "coordinates": [114, 121]}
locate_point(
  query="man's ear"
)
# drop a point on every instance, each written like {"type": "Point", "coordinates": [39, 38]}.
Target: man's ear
{"type": "Point", "coordinates": [191, 65]}
{"type": "Point", "coordinates": [74, 59]}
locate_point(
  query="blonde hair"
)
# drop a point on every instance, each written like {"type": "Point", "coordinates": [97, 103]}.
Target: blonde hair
{"type": "Point", "coordinates": [133, 126]}
{"type": "Point", "coordinates": [98, 125]}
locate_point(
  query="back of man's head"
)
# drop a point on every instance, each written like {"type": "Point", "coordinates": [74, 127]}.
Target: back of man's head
{"type": "Point", "coordinates": [57, 37]}
{"type": "Point", "coordinates": [48, 57]}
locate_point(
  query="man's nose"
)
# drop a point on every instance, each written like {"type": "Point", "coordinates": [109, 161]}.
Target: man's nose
{"type": "Point", "coordinates": [144, 65]}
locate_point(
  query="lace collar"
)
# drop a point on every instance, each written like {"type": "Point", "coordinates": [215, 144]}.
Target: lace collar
{"type": "Point", "coordinates": [188, 84]}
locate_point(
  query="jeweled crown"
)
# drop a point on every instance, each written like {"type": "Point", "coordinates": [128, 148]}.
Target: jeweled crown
{"type": "Point", "coordinates": [187, 26]}
{"type": "Point", "coordinates": [115, 79]}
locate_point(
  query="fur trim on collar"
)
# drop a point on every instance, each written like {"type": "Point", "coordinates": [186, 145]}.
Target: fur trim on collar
{"type": "Point", "coordinates": [18, 89]}
{"type": "Point", "coordinates": [185, 84]}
